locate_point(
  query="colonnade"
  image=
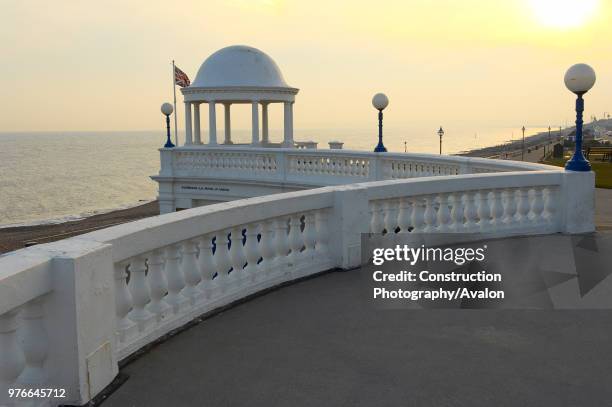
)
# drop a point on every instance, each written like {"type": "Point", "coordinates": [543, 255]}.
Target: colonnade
{"type": "Point", "coordinates": [193, 133]}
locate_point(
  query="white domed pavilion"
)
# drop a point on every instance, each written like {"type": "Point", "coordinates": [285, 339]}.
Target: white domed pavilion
{"type": "Point", "coordinates": [238, 74]}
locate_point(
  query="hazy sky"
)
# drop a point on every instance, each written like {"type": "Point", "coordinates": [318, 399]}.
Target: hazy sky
{"type": "Point", "coordinates": [106, 65]}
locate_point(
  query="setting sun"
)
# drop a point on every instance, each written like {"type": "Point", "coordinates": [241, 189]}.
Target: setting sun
{"type": "Point", "coordinates": [564, 13]}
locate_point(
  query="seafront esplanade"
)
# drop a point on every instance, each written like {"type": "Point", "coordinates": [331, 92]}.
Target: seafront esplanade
{"type": "Point", "coordinates": [232, 75]}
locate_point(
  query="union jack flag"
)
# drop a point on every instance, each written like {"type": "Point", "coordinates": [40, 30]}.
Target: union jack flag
{"type": "Point", "coordinates": [181, 78]}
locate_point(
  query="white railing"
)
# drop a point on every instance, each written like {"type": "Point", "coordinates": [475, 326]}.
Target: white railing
{"type": "Point", "coordinates": [84, 303]}
{"type": "Point", "coordinates": [320, 167]}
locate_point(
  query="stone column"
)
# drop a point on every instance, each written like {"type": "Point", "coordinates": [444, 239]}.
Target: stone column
{"type": "Point", "coordinates": [197, 134]}
{"type": "Point", "coordinates": [265, 139]}
{"type": "Point", "coordinates": [212, 123]}
{"type": "Point", "coordinates": [255, 114]}
{"type": "Point", "coordinates": [228, 124]}
{"type": "Point", "coordinates": [288, 137]}
{"type": "Point", "coordinates": [188, 139]}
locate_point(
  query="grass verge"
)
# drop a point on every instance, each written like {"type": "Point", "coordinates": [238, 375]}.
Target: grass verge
{"type": "Point", "coordinates": [603, 171]}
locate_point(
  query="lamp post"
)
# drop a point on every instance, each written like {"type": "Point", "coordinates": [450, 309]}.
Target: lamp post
{"type": "Point", "coordinates": [440, 133]}
{"type": "Point", "coordinates": [548, 141]}
{"type": "Point", "coordinates": [523, 146]}
{"type": "Point", "coordinates": [380, 101]}
{"type": "Point", "coordinates": [167, 110]}
{"type": "Point", "coordinates": [579, 79]}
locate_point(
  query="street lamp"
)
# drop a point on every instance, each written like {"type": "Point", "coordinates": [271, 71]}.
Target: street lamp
{"type": "Point", "coordinates": [380, 101]}
{"type": "Point", "coordinates": [440, 133]}
{"type": "Point", "coordinates": [167, 110]}
{"type": "Point", "coordinates": [523, 147]}
{"type": "Point", "coordinates": [579, 79]}
{"type": "Point", "coordinates": [549, 141]}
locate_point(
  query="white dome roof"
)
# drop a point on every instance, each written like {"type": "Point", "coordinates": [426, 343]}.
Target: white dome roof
{"type": "Point", "coordinates": [239, 65]}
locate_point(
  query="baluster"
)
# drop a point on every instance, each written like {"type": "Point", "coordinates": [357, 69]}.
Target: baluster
{"type": "Point", "coordinates": [457, 212]}
{"type": "Point", "coordinates": [510, 207]}
{"type": "Point", "coordinates": [157, 285]}
{"type": "Point", "coordinates": [444, 215]}
{"type": "Point", "coordinates": [123, 301]}
{"type": "Point", "coordinates": [34, 344]}
{"type": "Point", "coordinates": [418, 214]}
{"type": "Point", "coordinates": [321, 247]}
{"type": "Point", "coordinates": [174, 276]}
{"type": "Point", "coordinates": [523, 206]}
{"type": "Point", "coordinates": [140, 292]}
{"type": "Point", "coordinates": [236, 252]}
{"type": "Point", "coordinates": [537, 205]}
{"type": "Point", "coordinates": [295, 240]}
{"type": "Point", "coordinates": [404, 215]}
{"type": "Point", "coordinates": [550, 204]}
{"type": "Point", "coordinates": [11, 357]}
{"type": "Point", "coordinates": [206, 265]}
{"type": "Point", "coordinates": [391, 215]}
{"type": "Point", "coordinates": [282, 246]}
{"type": "Point", "coordinates": [429, 216]}
{"type": "Point", "coordinates": [310, 235]}
{"type": "Point", "coordinates": [190, 270]}
{"type": "Point", "coordinates": [376, 219]}
{"type": "Point", "coordinates": [267, 246]}
{"type": "Point", "coordinates": [484, 211]}
{"type": "Point", "coordinates": [470, 211]}
{"type": "Point", "coordinates": [497, 209]}
{"type": "Point", "coordinates": [222, 260]}
{"type": "Point", "coordinates": [251, 249]}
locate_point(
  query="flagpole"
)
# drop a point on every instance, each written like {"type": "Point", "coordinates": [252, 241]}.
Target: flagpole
{"type": "Point", "coordinates": [175, 111]}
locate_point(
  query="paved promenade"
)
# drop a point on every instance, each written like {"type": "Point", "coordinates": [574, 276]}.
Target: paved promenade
{"type": "Point", "coordinates": [318, 343]}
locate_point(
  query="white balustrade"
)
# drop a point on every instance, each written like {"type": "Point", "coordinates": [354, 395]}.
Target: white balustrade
{"type": "Point", "coordinates": [484, 211]}
{"type": "Point", "coordinates": [191, 162]}
{"type": "Point", "coordinates": [164, 271]}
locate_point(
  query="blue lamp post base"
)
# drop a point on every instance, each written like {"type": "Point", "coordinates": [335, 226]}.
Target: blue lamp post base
{"type": "Point", "coordinates": [380, 148]}
{"type": "Point", "coordinates": [168, 141]}
{"type": "Point", "coordinates": [578, 162]}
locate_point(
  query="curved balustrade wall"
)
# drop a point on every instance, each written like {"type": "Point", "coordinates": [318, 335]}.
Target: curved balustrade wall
{"type": "Point", "coordinates": [84, 303]}
{"type": "Point", "coordinates": [204, 173]}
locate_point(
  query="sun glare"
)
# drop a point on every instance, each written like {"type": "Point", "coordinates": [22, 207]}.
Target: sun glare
{"type": "Point", "coordinates": [564, 13]}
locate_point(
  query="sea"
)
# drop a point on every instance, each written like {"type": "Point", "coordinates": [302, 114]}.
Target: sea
{"type": "Point", "coordinates": [53, 177]}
